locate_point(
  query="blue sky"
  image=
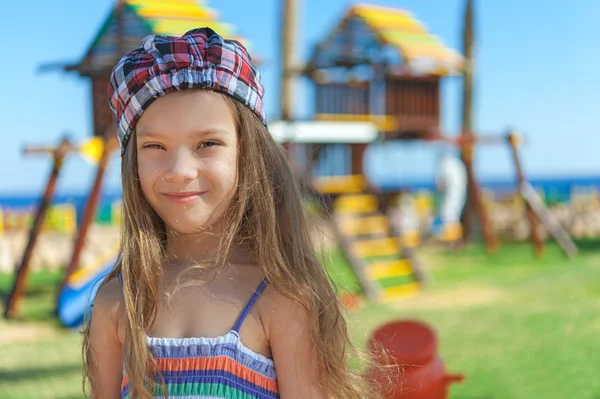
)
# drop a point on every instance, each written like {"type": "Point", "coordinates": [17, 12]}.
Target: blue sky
{"type": "Point", "coordinates": [537, 65]}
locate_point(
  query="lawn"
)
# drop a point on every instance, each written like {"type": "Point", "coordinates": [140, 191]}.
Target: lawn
{"type": "Point", "coordinates": [38, 359]}
{"type": "Point", "coordinates": [516, 326]}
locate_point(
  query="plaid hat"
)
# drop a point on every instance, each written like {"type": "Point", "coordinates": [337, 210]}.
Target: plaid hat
{"type": "Point", "coordinates": [198, 59]}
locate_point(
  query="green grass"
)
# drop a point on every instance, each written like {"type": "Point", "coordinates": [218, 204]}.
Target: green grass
{"type": "Point", "coordinates": [47, 368]}
{"type": "Point", "coordinates": [38, 359]}
{"type": "Point", "coordinates": [37, 304]}
{"type": "Point", "coordinates": [518, 327]}
{"type": "Point", "coordinates": [341, 273]}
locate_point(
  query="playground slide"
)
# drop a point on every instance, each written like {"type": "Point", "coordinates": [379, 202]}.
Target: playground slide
{"type": "Point", "coordinates": [75, 298]}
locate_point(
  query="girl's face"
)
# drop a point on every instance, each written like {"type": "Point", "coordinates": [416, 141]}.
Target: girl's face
{"type": "Point", "coordinates": [187, 158]}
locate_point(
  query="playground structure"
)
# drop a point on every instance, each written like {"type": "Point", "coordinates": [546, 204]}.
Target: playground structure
{"type": "Point", "coordinates": [381, 66]}
{"type": "Point", "coordinates": [96, 151]}
{"type": "Point", "coordinates": [79, 282]}
{"type": "Point", "coordinates": [360, 78]}
{"type": "Point", "coordinates": [398, 94]}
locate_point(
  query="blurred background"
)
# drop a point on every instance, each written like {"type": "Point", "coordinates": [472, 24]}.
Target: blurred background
{"type": "Point", "coordinates": [447, 150]}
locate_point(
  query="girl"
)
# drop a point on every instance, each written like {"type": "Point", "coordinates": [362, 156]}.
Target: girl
{"type": "Point", "coordinates": [217, 292]}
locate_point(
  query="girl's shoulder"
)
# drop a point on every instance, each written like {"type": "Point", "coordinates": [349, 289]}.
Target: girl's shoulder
{"type": "Point", "coordinates": [276, 310]}
{"type": "Point", "coordinates": [109, 307]}
{"type": "Point", "coordinates": [289, 328]}
{"type": "Point", "coordinates": [110, 294]}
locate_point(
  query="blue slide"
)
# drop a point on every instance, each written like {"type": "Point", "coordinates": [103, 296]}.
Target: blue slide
{"type": "Point", "coordinates": [75, 299]}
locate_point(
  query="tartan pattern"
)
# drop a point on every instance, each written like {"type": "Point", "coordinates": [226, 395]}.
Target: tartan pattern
{"type": "Point", "coordinates": [198, 59]}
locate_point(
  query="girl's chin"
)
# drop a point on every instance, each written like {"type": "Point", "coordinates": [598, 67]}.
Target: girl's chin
{"type": "Point", "coordinates": [189, 228]}
{"type": "Point", "coordinates": [193, 226]}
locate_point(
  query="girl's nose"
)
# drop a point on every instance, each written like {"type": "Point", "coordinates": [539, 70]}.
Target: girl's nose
{"type": "Point", "coordinates": [182, 166]}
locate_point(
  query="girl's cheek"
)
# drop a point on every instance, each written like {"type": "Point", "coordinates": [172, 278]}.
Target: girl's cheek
{"type": "Point", "coordinates": [226, 173]}
{"type": "Point", "coordinates": [147, 170]}
{"type": "Point", "coordinates": [226, 166]}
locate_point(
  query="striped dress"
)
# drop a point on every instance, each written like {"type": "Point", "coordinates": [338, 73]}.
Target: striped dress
{"type": "Point", "coordinates": [212, 368]}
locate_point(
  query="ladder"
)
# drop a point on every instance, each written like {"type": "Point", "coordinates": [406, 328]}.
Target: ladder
{"type": "Point", "coordinates": [363, 230]}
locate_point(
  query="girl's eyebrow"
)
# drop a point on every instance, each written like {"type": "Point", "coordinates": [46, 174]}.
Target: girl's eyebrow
{"type": "Point", "coordinates": [158, 135]}
{"type": "Point", "coordinates": [143, 133]}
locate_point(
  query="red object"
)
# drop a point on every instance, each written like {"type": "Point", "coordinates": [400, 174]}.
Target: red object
{"type": "Point", "coordinates": [412, 346]}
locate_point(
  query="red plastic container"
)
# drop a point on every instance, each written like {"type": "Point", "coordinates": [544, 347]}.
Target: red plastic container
{"type": "Point", "coordinates": [421, 374]}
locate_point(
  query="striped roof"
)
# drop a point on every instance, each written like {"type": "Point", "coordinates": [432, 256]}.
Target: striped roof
{"type": "Point", "coordinates": [141, 18]}
{"type": "Point", "coordinates": [175, 17]}
{"type": "Point", "coordinates": [421, 50]}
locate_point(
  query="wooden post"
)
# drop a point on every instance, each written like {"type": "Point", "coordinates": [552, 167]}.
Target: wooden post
{"type": "Point", "coordinates": [119, 13]}
{"type": "Point", "coordinates": [89, 212]}
{"type": "Point", "coordinates": [288, 29]}
{"type": "Point", "coordinates": [20, 284]}
{"type": "Point", "coordinates": [489, 238]}
{"type": "Point", "coordinates": [473, 190]}
{"type": "Point", "coordinates": [357, 156]}
{"type": "Point", "coordinates": [287, 47]}
{"type": "Point", "coordinates": [467, 119]}
{"type": "Point", "coordinates": [309, 158]}
{"type": "Point", "coordinates": [538, 244]}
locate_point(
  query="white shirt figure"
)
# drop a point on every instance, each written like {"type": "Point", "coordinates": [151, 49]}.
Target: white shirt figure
{"type": "Point", "coordinates": [452, 182]}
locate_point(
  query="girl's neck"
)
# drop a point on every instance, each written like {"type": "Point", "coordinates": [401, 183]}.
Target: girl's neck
{"type": "Point", "coordinates": [198, 248]}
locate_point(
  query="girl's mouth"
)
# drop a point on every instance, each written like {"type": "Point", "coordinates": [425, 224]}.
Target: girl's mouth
{"type": "Point", "coordinates": [184, 198]}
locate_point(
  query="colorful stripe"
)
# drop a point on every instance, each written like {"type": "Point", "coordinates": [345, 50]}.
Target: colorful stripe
{"type": "Point", "coordinates": [205, 391]}
{"type": "Point", "coordinates": [220, 367]}
{"type": "Point", "coordinates": [213, 385]}
{"type": "Point", "coordinates": [174, 368]}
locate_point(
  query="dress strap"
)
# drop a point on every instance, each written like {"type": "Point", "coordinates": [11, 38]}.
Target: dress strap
{"type": "Point", "coordinates": [251, 302]}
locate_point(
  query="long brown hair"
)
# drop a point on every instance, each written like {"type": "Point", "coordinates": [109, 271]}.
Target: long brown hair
{"type": "Point", "coordinates": [266, 214]}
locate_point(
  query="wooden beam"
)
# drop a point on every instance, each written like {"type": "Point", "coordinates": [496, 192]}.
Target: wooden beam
{"type": "Point", "coordinates": [89, 211]}
{"type": "Point", "coordinates": [287, 47]}
{"type": "Point", "coordinates": [22, 276]}
{"type": "Point", "coordinates": [536, 239]}
{"type": "Point", "coordinates": [357, 152]}
{"type": "Point", "coordinates": [467, 117]}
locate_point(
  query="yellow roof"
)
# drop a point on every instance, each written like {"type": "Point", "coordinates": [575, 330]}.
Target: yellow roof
{"type": "Point", "coordinates": [175, 17]}
{"type": "Point", "coordinates": [146, 17]}
{"type": "Point", "coordinates": [399, 28]}
{"type": "Point", "coordinates": [421, 50]}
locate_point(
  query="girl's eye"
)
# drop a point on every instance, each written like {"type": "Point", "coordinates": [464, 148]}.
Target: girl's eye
{"type": "Point", "coordinates": [209, 143]}
{"type": "Point", "coordinates": [156, 146]}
